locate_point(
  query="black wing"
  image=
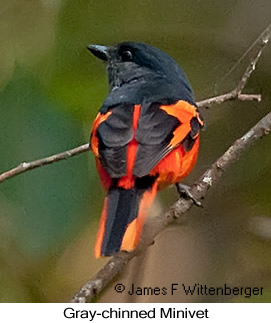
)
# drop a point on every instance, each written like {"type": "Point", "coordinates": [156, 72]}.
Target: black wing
{"type": "Point", "coordinates": [154, 133]}
{"type": "Point", "coordinates": [114, 134]}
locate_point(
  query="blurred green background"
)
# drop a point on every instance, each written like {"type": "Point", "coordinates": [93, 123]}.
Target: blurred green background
{"type": "Point", "coordinates": [50, 91]}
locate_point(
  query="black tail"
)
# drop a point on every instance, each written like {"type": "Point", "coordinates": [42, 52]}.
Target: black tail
{"type": "Point", "coordinates": [122, 219]}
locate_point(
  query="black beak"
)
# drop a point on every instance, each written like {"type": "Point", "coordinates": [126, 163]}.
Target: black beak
{"type": "Point", "coordinates": [102, 52]}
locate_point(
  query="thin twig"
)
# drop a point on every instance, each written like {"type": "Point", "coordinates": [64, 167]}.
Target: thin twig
{"type": "Point", "coordinates": [259, 46]}
{"type": "Point", "coordinates": [26, 166]}
{"type": "Point", "coordinates": [228, 97]}
{"type": "Point", "coordinates": [199, 190]}
{"type": "Point", "coordinates": [236, 93]}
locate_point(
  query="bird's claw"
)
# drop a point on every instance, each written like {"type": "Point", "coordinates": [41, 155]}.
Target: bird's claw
{"type": "Point", "coordinates": [184, 191]}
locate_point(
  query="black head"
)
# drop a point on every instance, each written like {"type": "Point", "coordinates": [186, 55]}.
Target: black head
{"type": "Point", "coordinates": [139, 64]}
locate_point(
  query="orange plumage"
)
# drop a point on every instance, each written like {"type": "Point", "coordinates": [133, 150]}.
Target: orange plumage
{"type": "Point", "coordinates": [176, 165]}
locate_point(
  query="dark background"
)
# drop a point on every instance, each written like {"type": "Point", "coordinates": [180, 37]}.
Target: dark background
{"type": "Point", "coordinates": [50, 91]}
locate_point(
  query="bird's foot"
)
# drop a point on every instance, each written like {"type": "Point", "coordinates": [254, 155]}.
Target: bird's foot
{"type": "Point", "coordinates": [184, 191]}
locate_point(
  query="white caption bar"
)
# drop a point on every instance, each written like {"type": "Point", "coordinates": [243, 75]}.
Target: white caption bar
{"type": "Point", "coordinates": [131, 312]}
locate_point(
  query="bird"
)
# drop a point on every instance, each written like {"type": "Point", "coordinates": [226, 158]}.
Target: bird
{"type": "Point", "coordinates": [145, 137]}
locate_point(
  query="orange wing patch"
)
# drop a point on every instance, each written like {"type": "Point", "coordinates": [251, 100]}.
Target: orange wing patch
{"type": "Point", "coordinates": [94, 142]}
{"type": "Point", "coordinates": [174, 167]}
{"type": "Point", "coordinates": [181, 110]}
{"type": "Point", "coordinates": [128, 181]}
{"type": "Point", "coordinates": [184, 112]}
{"type": "Point", "coordinates": [178, 163]}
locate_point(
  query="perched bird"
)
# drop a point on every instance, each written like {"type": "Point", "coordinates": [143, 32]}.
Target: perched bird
{"type": "Point", "coordinates": [144, 138]}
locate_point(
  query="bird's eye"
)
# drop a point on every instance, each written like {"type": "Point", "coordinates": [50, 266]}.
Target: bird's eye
{"type": "Point", "coordinates": [126, 55]}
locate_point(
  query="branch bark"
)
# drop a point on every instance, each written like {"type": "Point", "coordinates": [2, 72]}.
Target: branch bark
{"type": "Point", "coordinates": [26, 166]}
{"type": "Point", "coordinates": [199, 190]}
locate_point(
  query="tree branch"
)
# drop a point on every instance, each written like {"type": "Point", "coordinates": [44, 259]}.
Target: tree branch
{"type": "Point", "coordinates": [199, 190]}
{"type": "Point", "coordinates": [235, 94]}
{"type": "Point", "coordinates": [228, 97]}
{"type": "Point", "coordinates": [26, 166]}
